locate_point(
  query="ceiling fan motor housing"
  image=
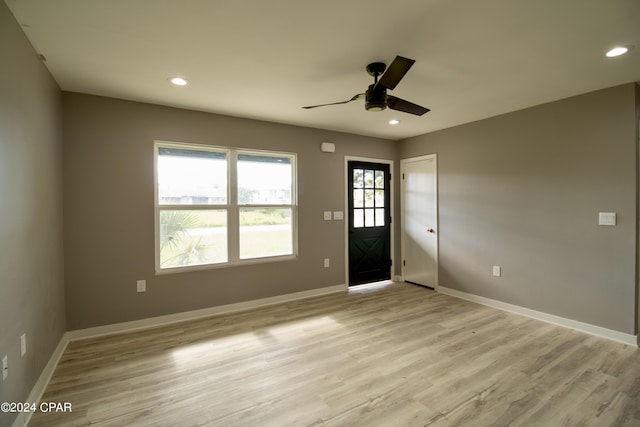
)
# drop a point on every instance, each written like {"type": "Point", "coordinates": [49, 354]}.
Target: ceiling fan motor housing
{"type": "Point", "coordinates": [375, 99]}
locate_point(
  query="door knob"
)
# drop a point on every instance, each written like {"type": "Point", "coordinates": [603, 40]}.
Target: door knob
{"type": "Point", "coordinates": [431, 230]}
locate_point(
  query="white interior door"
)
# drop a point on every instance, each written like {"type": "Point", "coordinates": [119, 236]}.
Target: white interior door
{"type": "Point", "coordinates": [419, 205]}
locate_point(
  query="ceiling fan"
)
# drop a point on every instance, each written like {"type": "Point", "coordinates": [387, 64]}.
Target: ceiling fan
{"type": "Point", "coordinates": [376, 98]}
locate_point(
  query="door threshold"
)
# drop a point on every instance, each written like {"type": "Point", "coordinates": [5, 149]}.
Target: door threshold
{"type": "Point", "coordinates": [373, 286]}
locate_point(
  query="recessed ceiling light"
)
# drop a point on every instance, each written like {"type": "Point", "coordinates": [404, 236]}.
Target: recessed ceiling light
{"type": "Point", "coordinates": [617, 51]}
{"type": "Point", "coordinates": [394, 121]}
{"type": "Point", "coordinates": [178, 81]}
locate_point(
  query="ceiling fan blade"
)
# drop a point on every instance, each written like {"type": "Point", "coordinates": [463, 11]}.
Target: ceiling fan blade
{"type": "Point", "coordinates": [395, 72]}
{"type": "Point", "coordinates": [355, 97]}
{"type": "Point", "coordinates": [405, 106]}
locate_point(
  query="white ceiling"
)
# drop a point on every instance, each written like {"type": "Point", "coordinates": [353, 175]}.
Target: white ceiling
{"type": "Point", "coordinates": [266, 59]}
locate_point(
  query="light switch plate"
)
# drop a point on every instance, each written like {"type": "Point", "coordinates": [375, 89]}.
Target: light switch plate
{"type": "Point", "coordinates": [607, 218]}
{"type": "Point", "coordinates": [338, 215]}
{"type": "Point", "coordinates": [497, 271]}
{"type": "Point", "coordinates": [327, 215]}
{"type": "Point", "coordinates": [141, 286]}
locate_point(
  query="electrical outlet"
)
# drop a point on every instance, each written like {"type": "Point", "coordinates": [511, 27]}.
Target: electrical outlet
{"type": "Point", "coordinates": [141, 285]}
{"type": "Point", "coordinates": [497, 271]}
{"type": "Point", "coordinates": [23, 344]}
{"type": "Point", "coordinates": [326, 263]}
{"type": "Point", "coordinates": [5, 368]}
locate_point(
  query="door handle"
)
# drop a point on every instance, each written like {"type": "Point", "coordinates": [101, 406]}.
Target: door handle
{"type": "Point", "coordinates": [431, 230]}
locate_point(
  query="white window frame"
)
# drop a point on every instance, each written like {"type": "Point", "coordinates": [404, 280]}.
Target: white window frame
{"type": "Point", "coordinates": [232, 207]}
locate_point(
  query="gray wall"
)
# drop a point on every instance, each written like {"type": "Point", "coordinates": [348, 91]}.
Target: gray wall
{"type": "Point", "coordinates": [31, 261]}
{"type": "Point", "coordinates": [109, 209]}
{"type": "Point", "coordinates": [523, 191]}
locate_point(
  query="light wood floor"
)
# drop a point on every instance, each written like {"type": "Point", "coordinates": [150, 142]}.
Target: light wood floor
{"type": "Point", "coordinates": [396, 355]}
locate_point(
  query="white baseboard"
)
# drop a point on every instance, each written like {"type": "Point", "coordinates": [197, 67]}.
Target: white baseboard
{"type": "Point", "coordinates": [545, 317]}
{"type": "Point", "coordinates": [196, 314]}
{"type": "Point", "coordinates": [38, 389]}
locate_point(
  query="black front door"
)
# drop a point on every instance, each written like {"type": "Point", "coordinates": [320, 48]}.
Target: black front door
{"type": "Point", "coordinates": [369, 222]}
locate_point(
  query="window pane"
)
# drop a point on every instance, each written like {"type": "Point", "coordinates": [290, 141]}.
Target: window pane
{"type": "Point", "coordinates": [368, 198]}
{"type": "Point", "coordinates": [358, 218]}
{"type": "Point", "coordinates": [358, 198]}
{"type": "Point", "coordinates": [369, 220]}
{"type": "Point", "coordinates": [265, 232]}
{"type": "Point", "coordinates": [191, 177]}
{"type": "Point", "coordinates": [357, 178]}
{"type": "Point", "coordinates": [192, 237]}
{"type": "Point", "coordinates": [368, 179]}
{"type": "Point", "coordinates": [380, 198]}
{"type": "Point", "coordinates": [264, 180]}
{"type": "Point", "coordinates": [379, 179]}
{"type": "Point", "coordinates": [379, 217]}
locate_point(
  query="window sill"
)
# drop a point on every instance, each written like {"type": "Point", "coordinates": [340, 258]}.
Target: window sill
{"type": "Point", "coordinates": [239, 263]}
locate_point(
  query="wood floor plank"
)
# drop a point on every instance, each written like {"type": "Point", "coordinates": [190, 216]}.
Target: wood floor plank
{"type": "Point", "coordinates": [388, 355]}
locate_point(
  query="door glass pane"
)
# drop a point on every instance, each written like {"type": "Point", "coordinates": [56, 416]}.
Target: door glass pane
{"type": "Point", "coordinates": [264, 180]}
{"type": "Point", "coordinates": [358, 198]}
{"type": "Point", "coordinates": [369, 219]}
{"type": "Point", "coordinates": [358, 218]}
{"type": "Point", "coordinates": [358, 178]}
{"type": "Point", "coordinates": [379, 198]}
{"type": "Point", "coordinates": [368, 179]}
{"type": "Point", "coordinates": [265, 232]}
{"type": "Point", "coordinates": [379, 179]}
{"type": "Point", "coordinates": [379, 217]}
{"type": "Point", "coordinates": [192, 237]}
{"type": "Point", "coordinates": [368, 198]}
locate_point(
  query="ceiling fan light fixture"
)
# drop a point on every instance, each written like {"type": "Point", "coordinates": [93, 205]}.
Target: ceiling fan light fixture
{"type": "Point", "coordinates": [375, 107]}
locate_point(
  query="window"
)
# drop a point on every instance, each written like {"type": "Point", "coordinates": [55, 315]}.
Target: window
{"type": "Point", "coordinates": [223, 206]}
